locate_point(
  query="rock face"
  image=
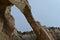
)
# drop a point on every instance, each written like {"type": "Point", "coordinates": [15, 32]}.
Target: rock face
{"type": "Point", "coordinates": [55, 32]}
{"type": "Point", "coordinates": [29, 36]}
{"type": "Point", "coordinates": [3, 36]}
{"type": "Point", "coordinates": [7, 22]}
{"type": "Point", "coordinates": [15, 35]}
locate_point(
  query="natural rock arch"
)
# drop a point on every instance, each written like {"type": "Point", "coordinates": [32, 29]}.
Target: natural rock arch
{"type": "Point", "coordinates": [25, 9]}
{"type": "Point", "coordinates": [24, 6]}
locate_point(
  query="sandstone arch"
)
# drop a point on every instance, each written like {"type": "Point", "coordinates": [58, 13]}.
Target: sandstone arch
{"type": "Point", "coordinates": [24, 6]}
{"type": "Point", "coordinates": [25, 9]}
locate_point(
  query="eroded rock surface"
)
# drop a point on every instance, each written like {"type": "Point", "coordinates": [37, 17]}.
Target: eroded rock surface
{"type": "Point", "coordinates": [7, 22]}
{"type": "Point", "coordinates": [8, 31]}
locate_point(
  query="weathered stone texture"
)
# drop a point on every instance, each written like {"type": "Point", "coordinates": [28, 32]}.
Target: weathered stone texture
{"type": "Point", "coordinates": [29, 36]}
{"type": "Point", "coordinates": [55, 32]}
{"type": "Point", "coordinates": [1, 24]}
{"type": "Point", "coordinates": [3, 36]}
{"type": "Point", "coordinates": [7, 22]}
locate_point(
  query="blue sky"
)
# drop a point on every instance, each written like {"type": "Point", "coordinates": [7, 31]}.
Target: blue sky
{"type": "Point", "coordinates": [47, 12]}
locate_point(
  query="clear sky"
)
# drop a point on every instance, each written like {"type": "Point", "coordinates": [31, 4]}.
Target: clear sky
{"type": "Point", "coordinates": [47, 12]}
